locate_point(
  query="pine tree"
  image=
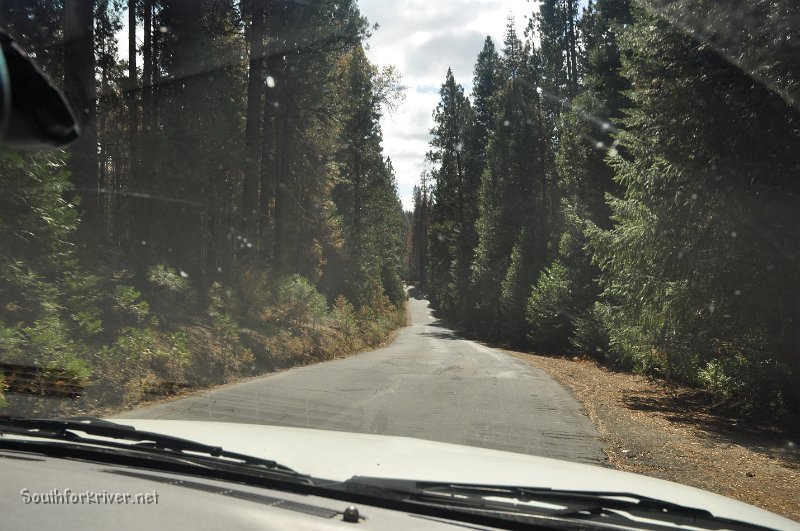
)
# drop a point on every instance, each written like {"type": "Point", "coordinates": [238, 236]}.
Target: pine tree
{"type": "Point", "coordinates": [568, 288]}
{"type": "Point", "coordinates": [698, 273]}
{"type": "Point", "coordinates": [452, 195]}
{"type": "Point", "coordinates": [512, 197]}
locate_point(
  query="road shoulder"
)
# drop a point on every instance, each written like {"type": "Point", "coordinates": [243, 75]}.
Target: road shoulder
{"type": "Point", "coordinates": [651, 428]}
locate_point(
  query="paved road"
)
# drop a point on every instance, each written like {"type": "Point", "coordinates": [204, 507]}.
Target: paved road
{"type": "Point", "coordinates": [428, 383]}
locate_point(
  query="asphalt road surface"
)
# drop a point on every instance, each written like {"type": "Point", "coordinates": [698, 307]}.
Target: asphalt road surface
{"type": "Point", "coordinates": [428, 383]}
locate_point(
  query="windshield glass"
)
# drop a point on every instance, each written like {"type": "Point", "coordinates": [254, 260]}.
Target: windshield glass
{"type": "Point", "coordinates": [560, 228]}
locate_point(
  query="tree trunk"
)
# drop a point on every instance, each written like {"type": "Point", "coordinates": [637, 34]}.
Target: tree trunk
{"type": "Point", "coordinates": [572, 48]}
{"type": "Point", "coordinates": [133, 114]}
{"type": "Point", "coordinates": [79, 85]}
{"type": "Point", "coordinates": [255, 92]}
{"type": "Point", "coordinates": [147, 67]}
{"type": "Point", "coordinates": [279, 238]}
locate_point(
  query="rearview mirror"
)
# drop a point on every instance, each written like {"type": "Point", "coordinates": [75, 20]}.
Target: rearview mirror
{"type": "Point", "coordinates": [33, 113]}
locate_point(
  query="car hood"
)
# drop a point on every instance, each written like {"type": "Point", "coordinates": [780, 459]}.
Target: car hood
{"type": "Point", "coordinates": [341, 455]}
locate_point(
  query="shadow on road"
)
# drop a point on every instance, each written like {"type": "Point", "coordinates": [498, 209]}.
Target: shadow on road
{"type": "Point", "coordinates": [415, 293]}
{"type": "Point", "coordinates": [443, 332]}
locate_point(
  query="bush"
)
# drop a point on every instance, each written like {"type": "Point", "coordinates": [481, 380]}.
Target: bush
{"type": "Point", "coordinates": [393, 287]}
{"type": "Point", "coordinates": [590, 335]}
{"type": "Point", "coordinates": [298, 303]}
{"type": "Point", "coordinates": [725, 376]}
{"type": "Point", "coordinates": [253, 293]}
{"type": "Point", "coordinates": [48, 344]}
{"type": "Point", "coordinates": [128, 306]}
{"type": "Point", "coordinates": [83, 302]}
{"type": "Point", "coordinates": [549, 312]}
{"type": "Point", "coordinates": [344, 317]}
{"type": "Point", "coordinates": [170, 291]}
{"type": "Point", "coordinates": [228, 357]}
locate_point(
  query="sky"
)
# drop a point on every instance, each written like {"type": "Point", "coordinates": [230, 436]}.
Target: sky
{"type": "Point", "coordinates": [422, 38]}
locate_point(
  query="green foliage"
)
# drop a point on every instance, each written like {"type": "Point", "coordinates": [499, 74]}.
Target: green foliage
{"type": "Point", "coordinates": [298, 303]}
{"type": "Point", "coordinates": [591, 335]}
{"type": "Point", "coordinates": [128, 304]}
{"type": "Point", "coordinates": [393, 287]}
{"type": "Point", "coordinates": [229, 200]}
{"type": "Point", "coordinates": [344, 317]}
{"type": "Point", "coordinates": [643, 183]}
{"type": "Point", "coordinates": [83, 301]}
{"type": "Point", "coordinates": [48, 344]}
{"type": "Point", "coordinates": [170, 290]}
{"type": "Point", "coordinates": [549, 312]}
{"type": "Point", "coordinates": [687, 268]}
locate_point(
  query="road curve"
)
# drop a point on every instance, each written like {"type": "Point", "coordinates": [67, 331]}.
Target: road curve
{"type": "Point", "coordinates": [428, 383]}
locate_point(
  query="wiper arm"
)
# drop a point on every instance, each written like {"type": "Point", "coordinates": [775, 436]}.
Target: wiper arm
{"type": "Point", "coordinates": [573, 504]}
{"type": "Point", "coordinates": [587, 499]}
{"type": "Point", "coordinates": [69, 428]}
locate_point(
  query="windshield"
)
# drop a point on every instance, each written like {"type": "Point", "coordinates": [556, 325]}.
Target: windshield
{"type": "Point", "coordinates": [559, 228]}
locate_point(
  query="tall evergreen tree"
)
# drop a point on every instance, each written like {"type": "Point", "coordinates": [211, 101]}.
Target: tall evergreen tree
{"type": "Point", "coordinates": [568, 288]}
{"type": "Point", "coordinates": [453, 195]}
{"type": "Point", "coordinates": [512, 196]}
{"type": "Point", "coordinates": [698, 273]}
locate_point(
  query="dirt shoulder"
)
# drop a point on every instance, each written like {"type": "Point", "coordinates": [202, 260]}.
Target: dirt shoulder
{"type": "Point", "coordinates": [685, 435]}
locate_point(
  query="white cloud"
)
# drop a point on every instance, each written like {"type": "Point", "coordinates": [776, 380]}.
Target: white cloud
{"type": "Point", "coordinates": [423, 38]}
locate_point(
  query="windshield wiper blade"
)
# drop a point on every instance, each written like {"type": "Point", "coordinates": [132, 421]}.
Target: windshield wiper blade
{"type": "Point", "coordinates": [68, 429]}
{"type": "Point", "coordinates": [576, 504]}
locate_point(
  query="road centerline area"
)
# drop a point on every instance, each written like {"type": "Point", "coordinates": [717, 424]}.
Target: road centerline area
{"type": "Point", "coordinates": [428, 383]}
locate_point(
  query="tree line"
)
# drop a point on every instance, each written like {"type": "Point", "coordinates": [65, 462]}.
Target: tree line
{"type": "Point", "coordinates": [622, 183]}
{"type": "Point", "coordinates": [229, 178]}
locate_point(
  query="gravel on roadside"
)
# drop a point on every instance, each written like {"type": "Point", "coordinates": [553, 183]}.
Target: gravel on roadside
{"type": "Point", "coordinates": [675, 433]}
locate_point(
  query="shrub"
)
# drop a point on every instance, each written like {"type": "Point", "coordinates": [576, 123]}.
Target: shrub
{"type": "Point", "coordinates": [128, 306]}
{"type": "Point", "coordinates": [253, 293]}
{"type": "Point", "coordinates": [228, 357]}
{"type": "Point", "coordinates": [298, 303]}
{"type": "Point", "coordinates": [344, 317]}
{"type": "Point", "coordinates": [590, 335]}
{"type": "Point", "coordinates": [83, 302]}
{"type": "Point", "coordinates": [169, 290]}
{"type": "Point", "coordinates": [48, 344]}
{"type": "Point", "coordinates": [549, 312]}
{"type": "Point", "coordinates": [393, 287]}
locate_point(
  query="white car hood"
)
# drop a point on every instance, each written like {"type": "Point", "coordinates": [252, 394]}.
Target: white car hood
{"type": "Point", "coordinates": [340, 455]}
